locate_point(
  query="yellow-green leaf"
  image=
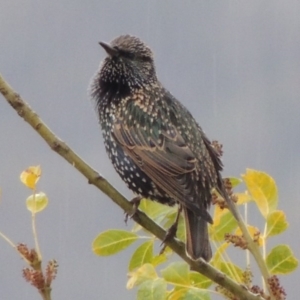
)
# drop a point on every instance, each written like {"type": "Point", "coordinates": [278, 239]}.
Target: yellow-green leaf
{"type": "Point", "coordinates": [276, 223]}
{"type": "Point", "coordinates": [159, 259]}
{"type": "Point", "coordinates": [144, 273]}
{"type": "Point", "coordinates": [143, 254]}
{"type": "Point", "coordinates": [232, 270]}
{"type": "Point", "coordinates": [196, 294]}
{"type": "Point", "coordinates": [31, 176]}
{"type": "Point", "coordinates": [218, 213]}
{"type": "Point", "coordinates": [218, 257]}
{"type": "Point", "coordinates": [152, 290]}
{"type": "Point", "coordinates": [177, 273]}
{"type": "Point", "coordinates": [226, 224]}
{"type": "Point", "coordinates": [154, 210]}
{"type": "Point", "coordinates": [281, 260]}
{"type": "Point", "coordinates": [243, 198]}
{"type": "Point", "coordinates": [234, 181]}
{"type": "Point", "coordinates": [37, 202]}
{"type": "Point", "coordinates": [200, 281]}
{"type": "Point", "coordinates": [263, 190]}
{"type": "Point", "coordinates": [180, 233]}
{"type": "Point", "coordinates": [112, 241]}
{"type": "Point", "coordinates": [177, 293]}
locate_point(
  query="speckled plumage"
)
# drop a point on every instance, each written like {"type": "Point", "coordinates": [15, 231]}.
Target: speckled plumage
{"type": "Point", "coordinates": [154, 143]}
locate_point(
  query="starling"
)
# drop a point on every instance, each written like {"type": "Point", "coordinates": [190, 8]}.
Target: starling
{"type": "Point", "coordinates": [153, 141]}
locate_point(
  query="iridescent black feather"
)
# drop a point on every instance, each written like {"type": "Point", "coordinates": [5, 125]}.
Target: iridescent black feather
{"type": "Point", "coordinates": [154, 143]}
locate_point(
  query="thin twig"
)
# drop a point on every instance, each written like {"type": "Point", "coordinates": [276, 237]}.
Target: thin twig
{"type": "Point", "coordinates": [254, 250]}
{"type": "Point", "coordinates": [33, 225]}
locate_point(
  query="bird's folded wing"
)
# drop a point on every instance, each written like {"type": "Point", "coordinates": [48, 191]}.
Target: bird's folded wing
{"type": "Point", "coordinates": [165, 157]}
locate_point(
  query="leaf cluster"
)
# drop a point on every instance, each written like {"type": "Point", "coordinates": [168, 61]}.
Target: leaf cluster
{"type": "Point", "coordinates": [157, 278]}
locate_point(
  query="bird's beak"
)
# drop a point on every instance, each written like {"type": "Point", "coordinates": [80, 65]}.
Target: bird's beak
{"type": "Point", "coordinates": [109, 49]}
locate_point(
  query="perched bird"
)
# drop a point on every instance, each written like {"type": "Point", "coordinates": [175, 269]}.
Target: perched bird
{"type": "Point", "coordinates": [153, 141]}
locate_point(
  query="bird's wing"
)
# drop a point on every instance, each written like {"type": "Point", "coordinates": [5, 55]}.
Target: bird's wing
{"type": "Point", "coordinates": [161, 152]}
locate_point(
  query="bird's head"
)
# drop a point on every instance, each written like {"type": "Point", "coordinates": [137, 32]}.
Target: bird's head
{"type": "Point", "coordinates": [129, 62]}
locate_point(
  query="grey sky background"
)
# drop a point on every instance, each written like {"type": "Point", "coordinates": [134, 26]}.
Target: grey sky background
{"type": "Point", "coordinates": [234, 64]}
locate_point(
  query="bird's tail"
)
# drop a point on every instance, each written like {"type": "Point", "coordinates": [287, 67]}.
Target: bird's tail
{"type": "Point", "coordinates": [197, 241]}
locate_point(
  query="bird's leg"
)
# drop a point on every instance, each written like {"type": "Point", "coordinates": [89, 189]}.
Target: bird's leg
{"type": "Point", "coordinates": [135, 204]}
{"type": "Point", "coordinates": [171, 232]}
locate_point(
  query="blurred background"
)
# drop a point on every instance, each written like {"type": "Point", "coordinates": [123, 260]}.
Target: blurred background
{"type": "Point", "coordinates": [234, 64]}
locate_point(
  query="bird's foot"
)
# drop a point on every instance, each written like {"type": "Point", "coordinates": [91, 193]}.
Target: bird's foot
{"type": "Point", "coordinates": [171, 232]}
{"type": "Point", "coordinates": [135, 204]}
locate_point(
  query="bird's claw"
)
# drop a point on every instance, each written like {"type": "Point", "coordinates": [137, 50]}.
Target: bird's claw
{"type": "Point", "coordinates": [135, 204]}
{"type": "Point", "coordinates": [171, 233]}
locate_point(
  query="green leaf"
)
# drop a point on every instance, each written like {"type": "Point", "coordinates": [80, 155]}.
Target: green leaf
{"type": "Point", "coordinates": [177, 273]}
{"type": "Point", "coordinates": [234, 181]}
{"type": "Point", "coordinates": [154, 210]}
{"type": "Point", "coordinates": [218, 257]}
{"type": "Point", "coordinates": [281, 260]}
{"type": "Point", "coordinates": [276, 223]}
{"type": "Point", "coordinates": [177, 293]}
{"type": "Point", "coordinates": [263, 190]}
{"type": "Point", "coordinates": [144, 273]}
{"type": "Point", "coordinates": [159, 259]}
{"type": "Point", "coordinates": [243, 198]}
{"type": "Point", "coordinates": [143, 254]}
{"type": "Point", "coordinates": [226, 224]}
{"type": "Point", "coordinates": [232, 270]}
{"type": "Point", "coordinates": [37, 202]}
{"type": "Point", "coordinates": [180, 233]}
{"type": "Point", "coordinates": [196, 294]}
{"type": "Point", "coordinates": [112, 241]}
{"type": "Point", "coordinates": [200, 281]}
{"type": "Point", "coordinates": [152, 290]}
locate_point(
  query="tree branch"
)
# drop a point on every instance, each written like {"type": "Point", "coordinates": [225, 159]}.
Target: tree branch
{"type": "Point", "coordinates": [24, 111]}
{"type": "Point", "coordinates": [253, 248]}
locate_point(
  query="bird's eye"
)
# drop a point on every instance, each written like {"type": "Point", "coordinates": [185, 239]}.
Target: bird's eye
{"type": "Point", "coordinates": [127, 54]}
{"type": "Point", "coordinates": [146, 58]}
